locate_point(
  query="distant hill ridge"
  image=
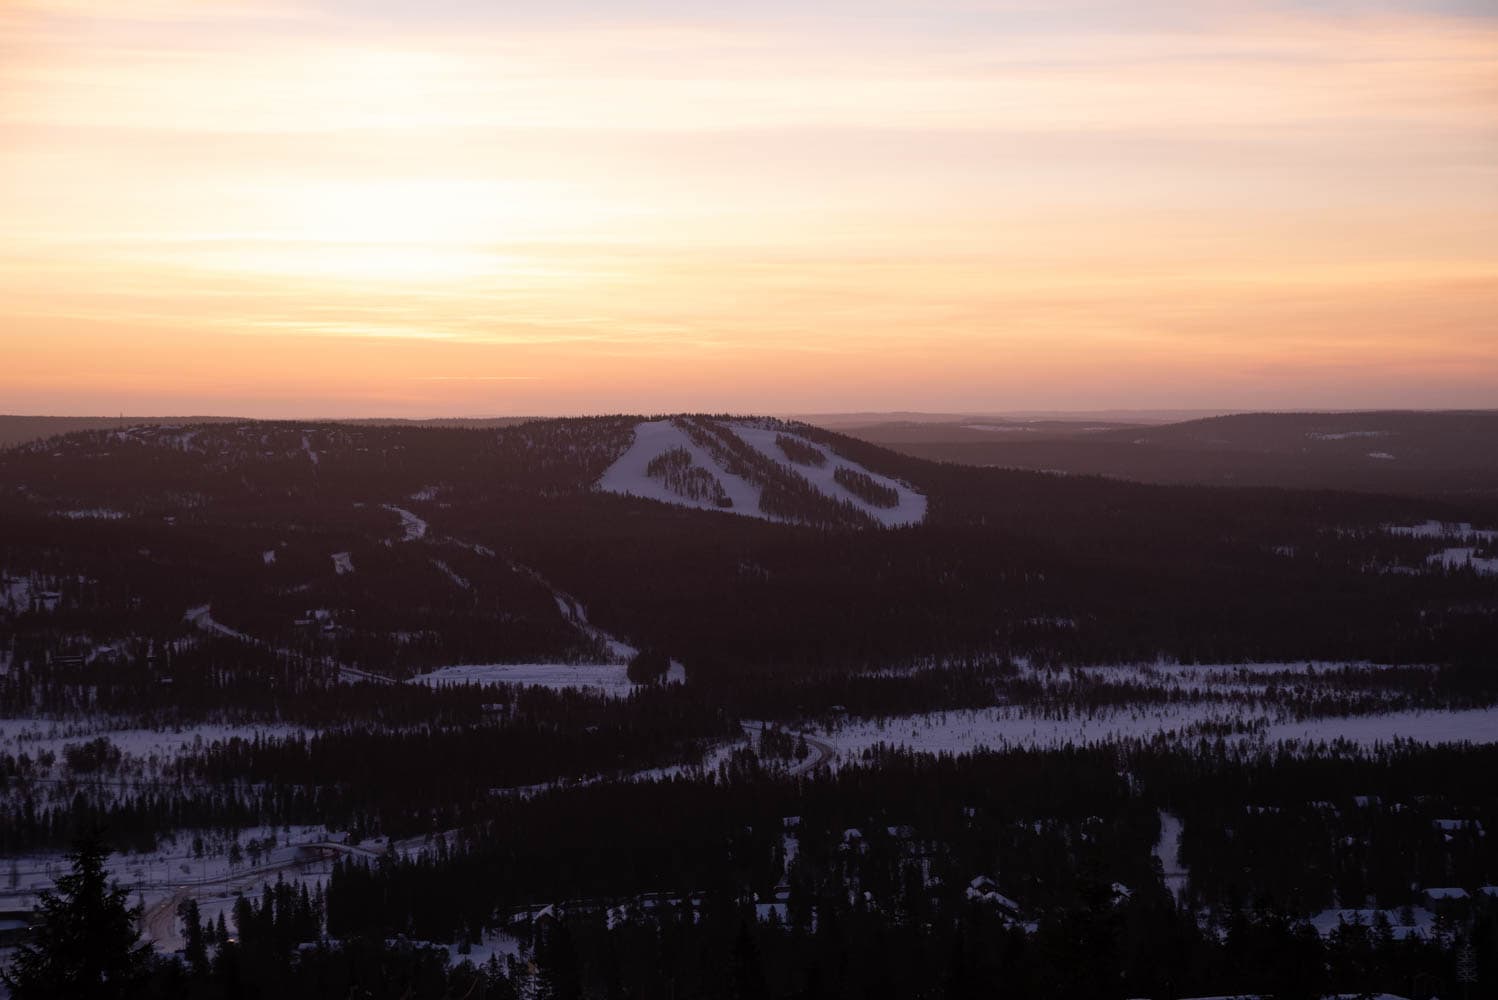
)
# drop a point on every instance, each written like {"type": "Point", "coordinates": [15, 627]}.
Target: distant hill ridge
{"type": "Point", "coordinates": [18, 429]}
{"type": "Point", "coordinates": [1428, 453]}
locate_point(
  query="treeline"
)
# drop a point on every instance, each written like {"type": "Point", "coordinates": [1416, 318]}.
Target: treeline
{"type": "Point", "coordinates": [653, 889]}
{"type": "Point", "coordinates": [1024, 873]}
{"type": "Point", "coordinates": [1105, 950]}
{"type": "Point", "coordinates": [865, 487]}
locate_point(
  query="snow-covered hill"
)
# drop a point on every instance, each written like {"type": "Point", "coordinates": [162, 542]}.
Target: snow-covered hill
{"type": "Point", "coordinates": [757, 469]}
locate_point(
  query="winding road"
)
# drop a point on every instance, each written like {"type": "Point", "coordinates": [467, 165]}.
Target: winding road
{"type": "Point", "coordinates": [159, 919]}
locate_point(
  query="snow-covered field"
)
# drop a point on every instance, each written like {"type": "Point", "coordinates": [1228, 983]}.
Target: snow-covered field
{"type": "Point", "coordinates": [1442, 529]}
{"type": "Point", "coordinates": [1468, 547]}
{"type": "Point", "coordinates": [1025, 726]}
{"type": "Point", "coordinates": [95, 514]}
{"type": "Point", "coordinates": [1464, 558]}
{"type": "Point", "coordinates": [604, 678]}
{"type": "Point", "coordinates": [413, 528]}
{"type": "Point", "coordinates": [628, 474]}
{"type": "Point", "coordinates": [33, 736]}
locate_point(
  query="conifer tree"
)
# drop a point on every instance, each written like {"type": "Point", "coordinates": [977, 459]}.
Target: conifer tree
{"type": "Point", "coordinates": [85, 942]}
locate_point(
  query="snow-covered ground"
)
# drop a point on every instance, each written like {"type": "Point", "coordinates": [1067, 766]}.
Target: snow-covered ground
{"type": "Point", "coordinates": [457, 579]}
{"type": "Point", "coordinates": [413, 527]}
{"type": "Point", "coordinates": [1442, 529]}
{"type": "Point", "coordinates": [1344, 435]}
{"type": "Point", "coordinates": [652, 438]}
{"type": "Point", "coordinates": [1168, 850]}
{"type": "Point", "coordinates": [911, 508]}
{"type": "Point", "coordinates": [1034, 726]}
{"type": "Point", "coordinates": [201, 618]}
{"type": "Point", "coordinates": [576, 615]}
{"type": "Point", "coordinates": [33, 736]}
{"type": "Point", "coordinates": [605, 678]}
{"type": "Point", "coordinates": [1422, 922]}
{"type": "Point", "coordinates": [497, 945]}
{"type": "Point", "coordinates": [1471, 725]}
{"type": "Point", "coordinates": [1464, 558]}
{"type": "Point", "coordinates": [307, 449]}
{"type": "Point", "coordinates": [16, 593]}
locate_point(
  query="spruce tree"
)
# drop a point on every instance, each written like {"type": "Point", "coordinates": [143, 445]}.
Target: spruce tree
{"type": "Point", "coordinates": [84, 942]}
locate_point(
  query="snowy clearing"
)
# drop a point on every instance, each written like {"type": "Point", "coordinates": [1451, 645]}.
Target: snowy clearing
{"type": "Point", "coordinates": [96, 514]}
{"type": "Point", "coordinates": [1464, 558]}
{"type": "Point", "coordinates": [1168, 851]}
{"type": "Point", "coordinates": [457, 579]}
{"type": "Point", "coordinates": [201, 618]}
{"type": "Point", "coordinates": [1442, 529]}
{"type": "Point", "coordinates": [414, 527]}
{"type": "Point", "coordinates": [606, 678]}
{"type": "Point", "coordinates": [963, 731]}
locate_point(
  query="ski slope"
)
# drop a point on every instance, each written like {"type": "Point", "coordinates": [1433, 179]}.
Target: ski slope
{"type": "Point", "coordinates": [629, 476]}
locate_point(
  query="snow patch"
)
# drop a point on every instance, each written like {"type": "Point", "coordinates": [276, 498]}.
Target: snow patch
{"type": "Point", "coordinates": [448, 572]}
{"type": "Point", "coordinates": [1464, 558]}
{"type": "Point", "coordinates": [1345, 435]}
{"type": "Point", "coordinates": [605, 678]}
{"type": "Point", "coordinates": [94, 514]}
{"type": "Point", "coordinates": [202, 619]}
{"type": "Point", "coordinates": [414, 527]}
{"type": "Point", "coordinates": [1442, 529]}
{"type": "Point", "coordinates": [1168, 851]}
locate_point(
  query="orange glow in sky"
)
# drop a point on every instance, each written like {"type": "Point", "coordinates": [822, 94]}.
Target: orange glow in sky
{"type": "Point", "coordinates": [462, 208]}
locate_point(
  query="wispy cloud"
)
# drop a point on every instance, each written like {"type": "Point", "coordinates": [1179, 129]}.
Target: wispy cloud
{"type": "Point", "coordinates": [772, 198]}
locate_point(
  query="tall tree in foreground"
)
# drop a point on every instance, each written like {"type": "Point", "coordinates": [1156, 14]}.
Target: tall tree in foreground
{"type": "Point", "coordinates": [84, 942]}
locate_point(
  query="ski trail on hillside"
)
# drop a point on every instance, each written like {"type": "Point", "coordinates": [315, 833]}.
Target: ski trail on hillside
{"type": "Point", "coordinates": [629, 474]}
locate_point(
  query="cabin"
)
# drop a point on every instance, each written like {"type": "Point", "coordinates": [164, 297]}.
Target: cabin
{"type": "Point", "coordinates": [1452, 902]}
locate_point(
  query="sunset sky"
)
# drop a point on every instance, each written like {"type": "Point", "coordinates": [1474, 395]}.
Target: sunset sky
{"type": "Point", "coordinates": [480, 208]}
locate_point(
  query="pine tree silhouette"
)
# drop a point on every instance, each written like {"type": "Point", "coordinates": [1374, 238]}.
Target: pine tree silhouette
{"type": "Point", "coordinates": [84, 942]}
